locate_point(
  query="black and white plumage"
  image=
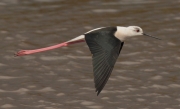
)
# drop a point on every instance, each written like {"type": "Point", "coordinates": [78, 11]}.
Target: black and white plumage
{"type": "Point", "coordinates": [105, 44]}
{"type": "Point", "coordinates": [105, 48]}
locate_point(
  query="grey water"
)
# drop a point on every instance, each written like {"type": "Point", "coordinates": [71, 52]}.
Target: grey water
{"type": "Point", "coordinates": [146, 75]}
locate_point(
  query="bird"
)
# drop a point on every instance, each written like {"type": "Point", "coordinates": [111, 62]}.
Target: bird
{"type": "Point", "coordinates": [105, 45]}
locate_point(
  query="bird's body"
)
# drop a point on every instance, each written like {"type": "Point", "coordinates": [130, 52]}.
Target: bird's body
{"type": "Point", "coordinates": [105, 44]}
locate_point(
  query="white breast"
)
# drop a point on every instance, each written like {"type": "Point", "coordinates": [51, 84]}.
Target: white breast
{"type": "Point", "coordinates": [121, 33]}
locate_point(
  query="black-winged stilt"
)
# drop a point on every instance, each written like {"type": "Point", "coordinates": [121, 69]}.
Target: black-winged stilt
{"type": "Point", "coordinates": [105, 44]}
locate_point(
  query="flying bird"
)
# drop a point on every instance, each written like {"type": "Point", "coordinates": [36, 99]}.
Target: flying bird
{"type": "Point", "coordinates": [105, 44]}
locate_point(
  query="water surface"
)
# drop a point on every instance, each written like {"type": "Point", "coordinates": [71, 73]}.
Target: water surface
{"type": "Point", "coordinates": [145, 76]}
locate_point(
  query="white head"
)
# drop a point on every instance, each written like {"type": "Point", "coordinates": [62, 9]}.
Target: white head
{"type": "Point", "coordinates": [130, 31]}
{"type": "Point", "coordinates": [134, 31]}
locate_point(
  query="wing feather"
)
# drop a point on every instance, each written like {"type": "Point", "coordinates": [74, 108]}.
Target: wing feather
{"type": "Point", "coordinates": [105, 48]}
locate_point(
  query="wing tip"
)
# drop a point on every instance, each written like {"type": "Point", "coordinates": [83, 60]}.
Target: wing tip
{"type": "Point", "coordinates": [98, 91]}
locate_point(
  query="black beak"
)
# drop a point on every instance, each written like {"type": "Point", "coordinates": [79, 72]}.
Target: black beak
{"type": "Point", "coordinates": [151, 36]}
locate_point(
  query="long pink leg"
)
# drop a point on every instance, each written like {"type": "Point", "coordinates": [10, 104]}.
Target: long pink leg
{"type": "Point", "coordinates": [27, 52]}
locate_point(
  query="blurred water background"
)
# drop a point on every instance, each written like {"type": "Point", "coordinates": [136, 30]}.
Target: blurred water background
{"type": "Point", "coordinates": [146, 75]}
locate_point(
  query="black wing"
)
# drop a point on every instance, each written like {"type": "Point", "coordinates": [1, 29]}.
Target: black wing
{"type": "Point", "coordinates": [105, 48]}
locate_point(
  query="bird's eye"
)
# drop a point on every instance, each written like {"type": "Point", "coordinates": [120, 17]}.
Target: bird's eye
{"type": "Point", "coordinates": [137, 30]}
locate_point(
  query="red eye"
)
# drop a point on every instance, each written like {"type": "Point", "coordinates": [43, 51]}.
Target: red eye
{"type": "Point", "coordinates": [137, 30]}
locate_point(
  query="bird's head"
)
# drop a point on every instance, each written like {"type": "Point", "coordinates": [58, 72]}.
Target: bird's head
{"type": "Point", "coordinates": [132, 31]}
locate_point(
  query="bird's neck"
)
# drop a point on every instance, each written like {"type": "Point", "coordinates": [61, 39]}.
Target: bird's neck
{"type": "Point", "coordinates": [121, 33]}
